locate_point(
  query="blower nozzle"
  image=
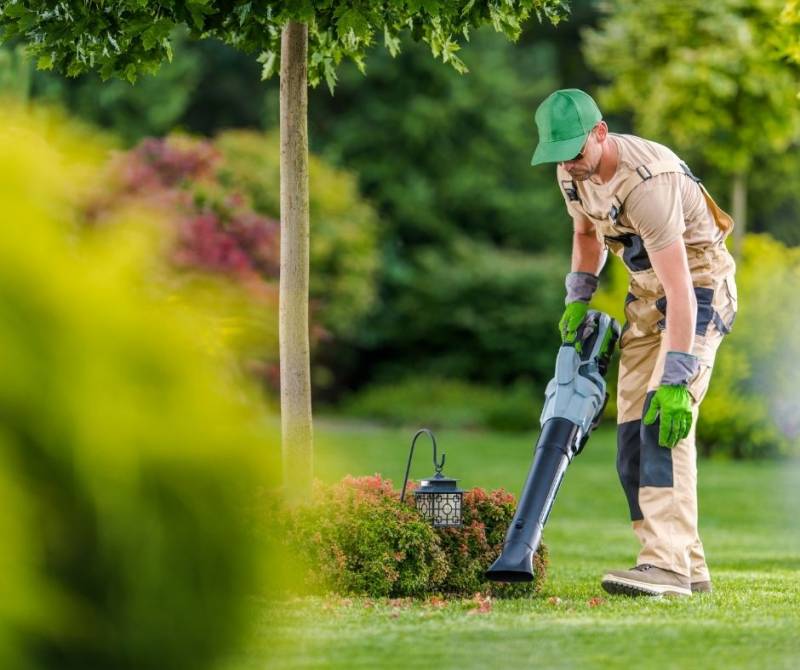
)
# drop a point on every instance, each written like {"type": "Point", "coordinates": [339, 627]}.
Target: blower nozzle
{"type": "Point", "coordinates": [574, 403]}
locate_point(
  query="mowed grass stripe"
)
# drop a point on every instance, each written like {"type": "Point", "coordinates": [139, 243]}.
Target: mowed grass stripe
{"type": "Point", "coordinates": [749, 526]}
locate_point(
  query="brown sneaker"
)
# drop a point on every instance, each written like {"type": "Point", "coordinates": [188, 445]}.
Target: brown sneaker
{"type": "Point", "coordinates": [646, 580]}
{"type": "Point", "coordinates": [702, 587]}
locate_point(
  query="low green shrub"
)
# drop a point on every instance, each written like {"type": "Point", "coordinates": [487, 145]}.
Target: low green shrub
{"type": "Point", "coordinates": [357, 538]}
{"type": "Point", "coordinates": [448, 403]}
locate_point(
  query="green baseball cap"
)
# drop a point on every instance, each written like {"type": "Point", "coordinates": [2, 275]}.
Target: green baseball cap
{"type": "Point", "coordinates": [564, 120]}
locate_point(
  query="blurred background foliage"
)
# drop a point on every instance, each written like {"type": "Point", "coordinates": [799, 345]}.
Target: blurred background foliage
{"type": "Point", "coordinates": [218, 202]}
{"type": "Point", "coordinates": [704, 71]}
{"type": "Point", "coordinates": [131, 449]}
{"type": "Point", "coordinates": [752, 408]}
{"type": "Point", "coordinates": [438, 253]}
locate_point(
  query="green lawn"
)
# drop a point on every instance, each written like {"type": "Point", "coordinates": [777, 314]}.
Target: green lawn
{"type": "Point", "coordinates": [750, 523]}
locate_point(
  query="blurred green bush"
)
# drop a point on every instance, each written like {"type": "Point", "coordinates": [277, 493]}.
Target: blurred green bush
{"type": "Point", "coordinates": [466, 286]}
{"type": "Point", "coordinates": [474, 312]}
{"type": "Point", "coordinates": [357, 538]}
{"type": "Point", "coordinates": [448, 403]}
{"type": "Point", "coordinates": [753, 405]}
{"type": "Point", "coordinates": [752, 408]}
{"type": "Point", "coordinates": [130, 449]}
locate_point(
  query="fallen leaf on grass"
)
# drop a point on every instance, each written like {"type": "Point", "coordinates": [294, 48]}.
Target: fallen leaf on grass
{"type": "Point", "coordinates": [333, 603]}
{"type": "Point", "coordinates": [437, 602]}
{"type": "Point", "coordinates": [481, 604]}
{"type": "Point", "coordinates": [554, 600]}
{"type": "Point", "coordinates": [596, 601]}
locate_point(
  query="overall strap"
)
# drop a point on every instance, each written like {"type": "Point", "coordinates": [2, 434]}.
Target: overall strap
{"type": "Point", "coordinates": [571, 189]}
{"type": "Point", "coordinates": [644, 173]}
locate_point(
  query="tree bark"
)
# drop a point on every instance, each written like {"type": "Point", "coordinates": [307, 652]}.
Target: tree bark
{"type": "Point", "coordinates": [739, 210]}
{"type": "Point", "coordinates": [296, 423]}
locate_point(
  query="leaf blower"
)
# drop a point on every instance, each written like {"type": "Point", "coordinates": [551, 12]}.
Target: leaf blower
{"type": "Point", "coordinates": [574, 403]}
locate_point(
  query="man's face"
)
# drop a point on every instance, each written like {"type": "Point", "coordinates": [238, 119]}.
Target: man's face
{"type": "Point", "coordinates": [585, 164]}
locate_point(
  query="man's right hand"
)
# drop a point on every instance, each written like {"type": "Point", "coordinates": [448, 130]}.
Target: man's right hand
{"type": "Point", "coordinates": [573, 317]}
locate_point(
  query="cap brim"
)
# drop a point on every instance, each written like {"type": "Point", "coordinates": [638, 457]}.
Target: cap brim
{"type": "Point", "coordinates": [557, 152]}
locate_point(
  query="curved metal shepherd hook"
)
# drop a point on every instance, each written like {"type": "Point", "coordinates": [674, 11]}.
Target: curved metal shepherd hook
{"type": "Point", "coordinates": [436, 463]}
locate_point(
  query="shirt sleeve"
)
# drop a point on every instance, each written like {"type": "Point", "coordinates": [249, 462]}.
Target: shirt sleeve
{"type": "Point", "coordinates": [654, 210]}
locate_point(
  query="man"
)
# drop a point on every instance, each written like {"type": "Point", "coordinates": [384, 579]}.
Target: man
{"type": "Point", "coordinates": [638, 199]}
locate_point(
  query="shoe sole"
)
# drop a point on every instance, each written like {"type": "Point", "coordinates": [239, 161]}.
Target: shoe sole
{"type": "Point", "coordinates": [629, 587]}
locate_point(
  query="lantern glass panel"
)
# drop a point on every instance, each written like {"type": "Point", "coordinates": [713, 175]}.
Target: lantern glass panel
{"type": "Point", "coordinates": [446, 509]}
{"type": "Point", "coordinates": [424, 503]}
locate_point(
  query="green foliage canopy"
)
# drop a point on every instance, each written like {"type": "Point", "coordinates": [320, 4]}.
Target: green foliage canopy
{"type": "Point", "coordinates": [127, 38]}
{"type": "Point", "coordinates": [153, 107]}
{"type": "Point", "coordinates": [706, 77]}
{"type": "Point", "coordinates": [456, 160]}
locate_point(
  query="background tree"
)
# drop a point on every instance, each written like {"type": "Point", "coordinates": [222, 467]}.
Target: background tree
{"type": "Point", "coordinates": [15, 74]}
{"type": "Point", "coordinates": [466, 223]}
{"type": "Point", "coordinates": [305, 42]}
{"type": "Point", "coordinates": [705, 78]}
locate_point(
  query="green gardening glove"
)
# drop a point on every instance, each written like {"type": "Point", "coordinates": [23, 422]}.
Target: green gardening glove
{"type": "Point", "coordinates": [573, 317]}
{"type": "Point", "coordinates": [674, 404]}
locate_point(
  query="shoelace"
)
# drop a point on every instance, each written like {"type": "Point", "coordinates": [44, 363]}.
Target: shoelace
{"type": "Point", "coordinates": [644, 567]}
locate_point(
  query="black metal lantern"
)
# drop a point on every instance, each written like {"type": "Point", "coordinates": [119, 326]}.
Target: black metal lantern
{"type": "Point", "coordinates": [438, 498]}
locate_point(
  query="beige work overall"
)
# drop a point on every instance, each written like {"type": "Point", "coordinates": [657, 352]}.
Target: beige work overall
{"type": "Point", "coordinates": [661, 483]}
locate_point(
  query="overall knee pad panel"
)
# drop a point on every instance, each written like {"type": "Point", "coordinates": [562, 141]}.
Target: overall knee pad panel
{"type": "Point", "coordinates": [628, 448]}
{"type": "Point", "coordinates": [655, 468]}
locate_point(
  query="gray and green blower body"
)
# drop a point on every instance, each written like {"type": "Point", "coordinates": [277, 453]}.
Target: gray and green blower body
{"type": "Point", "coordinates": [574, 403]}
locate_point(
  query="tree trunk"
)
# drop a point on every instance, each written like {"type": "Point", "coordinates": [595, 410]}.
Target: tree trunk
{"type": "Point", "coordinates": [296, 428]}
{"type": "Point", "coordinates": [739, 210]}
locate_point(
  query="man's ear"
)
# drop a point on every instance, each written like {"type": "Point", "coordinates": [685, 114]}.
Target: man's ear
{"type": "Point", "coordinates": [601, 131]}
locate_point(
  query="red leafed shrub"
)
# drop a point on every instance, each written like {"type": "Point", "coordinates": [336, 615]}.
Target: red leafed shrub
{"type": "Point", "coordinates": [356, 537]}
{"type": "Point", "coordinates": [210, 230]}
{"type": "Point", "coordinates": [217, 230]}
{"type": "Point", "coordinates": [473, 547]}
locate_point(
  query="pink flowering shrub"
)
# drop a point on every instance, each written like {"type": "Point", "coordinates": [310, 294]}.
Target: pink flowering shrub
{"type": "Point", "coordinates": [210, 230]}
{"type": "Point", "coordinates": [357, 538]}
{"type": "Point", "coordinates": [216, 228]}
{"type": "Point", "coordinates": [218, 201]}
